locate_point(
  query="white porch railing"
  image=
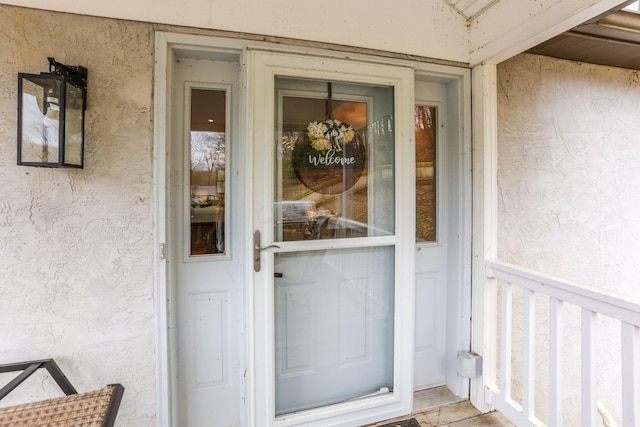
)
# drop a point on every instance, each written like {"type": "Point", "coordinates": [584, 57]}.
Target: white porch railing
{"type": "Point", "coordinates": [561, 295]}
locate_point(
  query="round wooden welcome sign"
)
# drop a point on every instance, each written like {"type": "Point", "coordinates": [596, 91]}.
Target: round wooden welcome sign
{"type": "Point", "coordinates": [332, 160]}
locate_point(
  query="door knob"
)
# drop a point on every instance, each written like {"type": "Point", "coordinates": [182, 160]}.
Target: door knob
{"type": "Point", "coordinates": [257, 249]}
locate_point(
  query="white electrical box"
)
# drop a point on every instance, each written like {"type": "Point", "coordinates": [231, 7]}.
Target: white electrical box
{"type": "Point", "coordinates": [469, 364]}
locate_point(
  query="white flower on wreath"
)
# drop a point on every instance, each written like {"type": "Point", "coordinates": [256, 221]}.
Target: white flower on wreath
{"type": "Point", "coordinates": [320, 144]}
{"type": "Point", "coordinates": [330, 134]}
{"type": "Point", "coordinates": [287, 144]}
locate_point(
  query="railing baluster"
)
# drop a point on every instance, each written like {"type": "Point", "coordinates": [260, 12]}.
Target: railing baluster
{"type": "Point", "coordinates": [505, 345]}
{"type": "Point", "coordinates": [589, 406]}
{"type": "Point", "coordinates": [529, 361]}
{"type": "Point", "coordinates": [592, 301]}
{"type": "Point", "coordinates": [630, 374]}
{"type": "Point", "coordinates": [556, 324]}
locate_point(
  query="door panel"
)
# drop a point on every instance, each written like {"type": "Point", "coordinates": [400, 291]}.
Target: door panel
{"type": "Point", "coordinates": [207, 264]}
{"type": "Point", "coordinates": [431, 247]}
{"type": "Point", "coordinates": [334, 326]}
{"type": "Point", "coordinates": [333, 301]}
{"type": "Point", "coordinates": [429, 346]}
{"type": "Point", "coordinates": [209, 320]}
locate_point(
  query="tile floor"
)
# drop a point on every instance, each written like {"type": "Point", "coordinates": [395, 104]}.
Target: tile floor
{"type": "Point", "coordinates": [438, 407]}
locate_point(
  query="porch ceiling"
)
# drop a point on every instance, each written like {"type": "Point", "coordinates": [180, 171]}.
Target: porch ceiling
{"type": "Point", "coordinates": [611, 39]}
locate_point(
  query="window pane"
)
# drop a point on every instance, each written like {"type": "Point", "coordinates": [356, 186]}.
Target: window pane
{"type": "Point", "coordinates": [425, 122]}
{"type": "Point", "coordinates": [208, 170]}
{"type": "Point", "coordinates": [334, 160]}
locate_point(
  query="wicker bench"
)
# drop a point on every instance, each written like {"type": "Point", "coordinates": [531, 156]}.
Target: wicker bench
{"type": "Point", "coordinates": [92, 409]}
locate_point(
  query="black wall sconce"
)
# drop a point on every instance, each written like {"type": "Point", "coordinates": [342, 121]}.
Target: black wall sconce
{"type": "Point", "coordinates": [51, 110]}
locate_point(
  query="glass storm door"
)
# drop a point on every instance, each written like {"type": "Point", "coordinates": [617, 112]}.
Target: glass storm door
{"type": "Point", "coordinates": [333, 213]}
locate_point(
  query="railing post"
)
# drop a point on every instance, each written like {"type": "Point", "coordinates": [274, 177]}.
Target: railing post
{"type": "Point", "coordinates": [529, 356]}
{"type": "Point", "coordinates": [556, 324]}
{"type": "Point", "coordinates": [506, 340]}
{"type": "Point", "coordinates": [589, 401]}
{"type": "Point", "coordinates": [630, 374]}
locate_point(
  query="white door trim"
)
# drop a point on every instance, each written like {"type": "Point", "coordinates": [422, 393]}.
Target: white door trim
{"type": "Point", "coordinates": [161, 291]}
{"type": "Point", "coordinates": [485, 208]}
{"type": "Point", "coordinates": [459, 288]}
{"type": "Point", "coordinates": [166, 44]}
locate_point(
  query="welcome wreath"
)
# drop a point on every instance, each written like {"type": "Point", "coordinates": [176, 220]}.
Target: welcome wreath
{"type": "Point", "coordinates": [331, 158]}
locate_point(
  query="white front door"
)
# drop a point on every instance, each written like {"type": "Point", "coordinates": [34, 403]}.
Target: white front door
{"type": "Point", "coordinates": [334, 240]}
{"type": "Point", "coordinates": [206, 255]}
{"type": "Point", "coordinates": [431, 235]}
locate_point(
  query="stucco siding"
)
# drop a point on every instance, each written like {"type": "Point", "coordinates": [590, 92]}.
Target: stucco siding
{"type": "Point", "coordinates": [76, 246]}
{"type": "Point", "coordinates": [568, 179]}
{"type": "Point", "coordinates": [569, 170]}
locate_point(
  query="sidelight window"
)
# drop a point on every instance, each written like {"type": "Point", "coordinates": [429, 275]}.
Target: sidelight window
{"type": "Point", "coordinates": [426, 201]}
{"type": "Point", "coordinates": [207, 177]}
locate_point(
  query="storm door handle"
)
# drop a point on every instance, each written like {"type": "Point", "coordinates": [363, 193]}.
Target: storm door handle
{"type": "Point", "coordinates": [257, 249]}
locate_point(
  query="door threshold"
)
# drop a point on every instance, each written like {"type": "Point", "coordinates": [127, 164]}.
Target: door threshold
{"type": "Point", "coordinates": [430, 398]}
{"type": "Point", "coordinates": [453, 412]}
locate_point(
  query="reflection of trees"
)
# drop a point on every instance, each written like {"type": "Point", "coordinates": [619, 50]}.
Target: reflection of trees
{"type": "Point", "coordinates": [425, 134]}
{"type": "Point", "coordinates": [207, 157]}
{"type": "Point", "coordinates": [382, 131]}
{"type": "Point", "coordinates": [425, 131]}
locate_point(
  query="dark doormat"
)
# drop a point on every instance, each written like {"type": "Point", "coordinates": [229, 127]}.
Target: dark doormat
{"type": "Point", "coordinates": [411, 422]}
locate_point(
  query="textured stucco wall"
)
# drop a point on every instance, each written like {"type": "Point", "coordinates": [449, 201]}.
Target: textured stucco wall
{"type": "Point", "coordinates": [569, 170]}
{"type": "Point", "coordinates": [76, 265]}
{"type": "Point", "coordinates": [568, 178]}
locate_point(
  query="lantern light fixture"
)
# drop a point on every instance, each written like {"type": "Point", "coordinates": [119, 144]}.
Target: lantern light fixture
{"type": "Point", "coordinates": [51, 109]}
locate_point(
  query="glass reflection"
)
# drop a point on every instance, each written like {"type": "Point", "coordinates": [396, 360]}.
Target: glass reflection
{"type": "Point", "coordinates": [425, 128]}
{"type": "Point", "coordinates": [73, 122]}
{"type": "Point", "coordinates": [208, 166]}
{"type": "Point", "coordinates": [41, 121]}
{"type": "Point", "coordinates": [334, 156]}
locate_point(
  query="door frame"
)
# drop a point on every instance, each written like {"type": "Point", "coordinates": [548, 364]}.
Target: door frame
{"type": "Point", "coordinates": [458, 82]}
